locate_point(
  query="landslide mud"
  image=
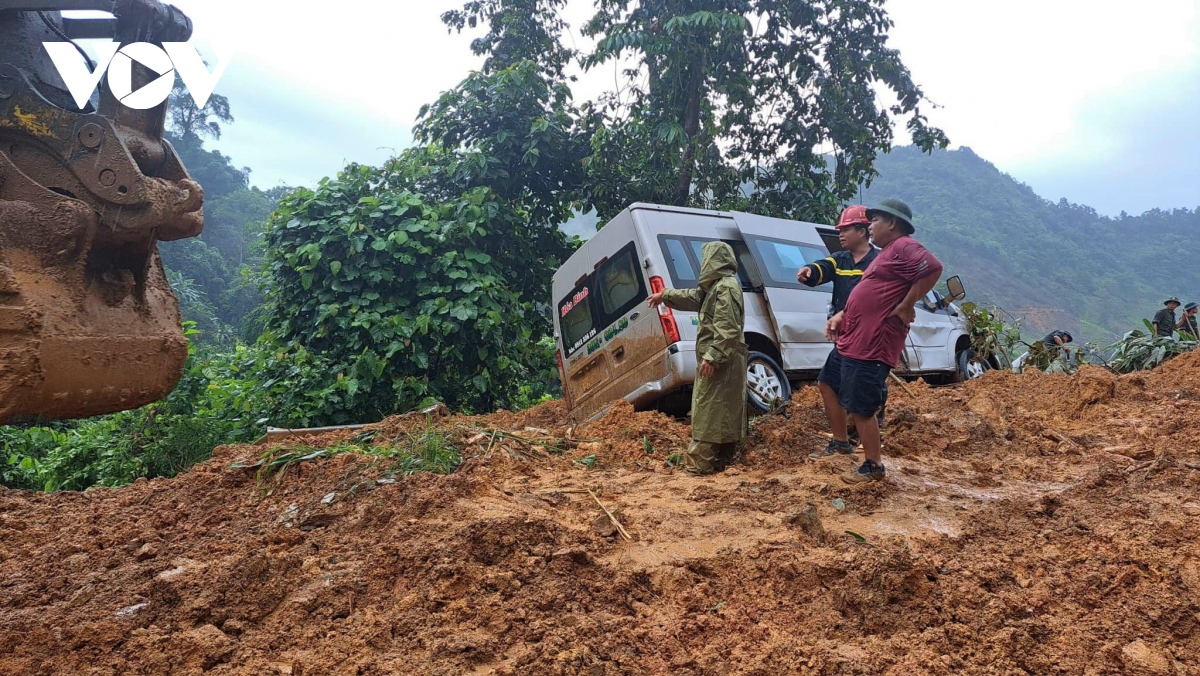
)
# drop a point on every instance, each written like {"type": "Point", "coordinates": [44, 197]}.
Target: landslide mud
{"type": "Point", "coordinates": [1031, 524]}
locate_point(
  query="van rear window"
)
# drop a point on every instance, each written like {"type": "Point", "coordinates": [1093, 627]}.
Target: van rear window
{"type": "Point", "coordinates": [620, 284]}
{"type": "Point", "coordinates": [575, 319]}
{"type": "Point", "coordinates": [604, 296]}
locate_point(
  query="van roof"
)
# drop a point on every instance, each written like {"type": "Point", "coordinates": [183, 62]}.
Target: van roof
{"type": "Point", "coordinates": [681, 210]}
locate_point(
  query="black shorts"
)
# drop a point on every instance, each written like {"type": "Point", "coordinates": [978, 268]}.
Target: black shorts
{"type": "Point", "coordinates": [861, 386]}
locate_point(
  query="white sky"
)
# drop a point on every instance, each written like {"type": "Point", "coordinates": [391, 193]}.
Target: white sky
{"type": "Point", "coordinates": [1059, 93]}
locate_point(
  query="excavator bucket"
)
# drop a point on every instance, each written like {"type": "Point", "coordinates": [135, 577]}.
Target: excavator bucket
{"type": "Point", "coordinates": [88, 323]}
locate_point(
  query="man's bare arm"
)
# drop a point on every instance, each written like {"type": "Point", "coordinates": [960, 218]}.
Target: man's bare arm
{"type": "Point", "coordinates": [905, 310]}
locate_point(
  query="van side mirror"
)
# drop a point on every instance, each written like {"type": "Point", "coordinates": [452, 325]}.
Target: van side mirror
{"type": "Point", "coordinates": [955, 287]}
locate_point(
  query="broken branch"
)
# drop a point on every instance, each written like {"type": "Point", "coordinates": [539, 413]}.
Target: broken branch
{"type": "Point", "coordinates": [620, 529]}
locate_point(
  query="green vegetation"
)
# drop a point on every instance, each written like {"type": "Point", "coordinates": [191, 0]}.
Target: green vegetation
{"type": "Point", "coordinates": [425, 450]}
{"type": "Point", "coordinates": [991, 336]}
{"type": "Point", "coordinates": [1139, 351]}
{"type": "Point", "coordinates": [215, 275]}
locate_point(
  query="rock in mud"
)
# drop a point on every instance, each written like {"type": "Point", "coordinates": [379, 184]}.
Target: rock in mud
{"type": "Point", "coordinates": [604, 526]}
{"type": "Point", "coordinates": [147, 551]}
{"type": "Point", "coordinates": [809, 522]}
{"type": "Point", "coordinates": [206, 647]}
{"type": "Point", "coordinates": [572, 556]}
{"type": "Point", "coordinates": [1142, 660]}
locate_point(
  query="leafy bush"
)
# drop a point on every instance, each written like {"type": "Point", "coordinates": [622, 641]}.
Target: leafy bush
{"type": "Point", "coordinates": [990, 335]}
{"type": "Point", "coordinates": [1139, 351]}
{"type": "Point", "coordinates": [404, 300]}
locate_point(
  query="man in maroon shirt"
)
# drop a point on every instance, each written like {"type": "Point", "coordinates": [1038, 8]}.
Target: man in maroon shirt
{"type": "Point", "coordinates": [871, 331]}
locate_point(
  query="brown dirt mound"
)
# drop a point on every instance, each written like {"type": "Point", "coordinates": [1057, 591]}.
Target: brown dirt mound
{"type": "Point", "coordinates": [1030, 524]}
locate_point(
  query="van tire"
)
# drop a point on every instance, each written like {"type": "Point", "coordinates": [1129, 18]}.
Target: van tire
{"type": "Point", "coordinates": [970, 366]}
{"type": "Point", "coordinates": [767, 386]}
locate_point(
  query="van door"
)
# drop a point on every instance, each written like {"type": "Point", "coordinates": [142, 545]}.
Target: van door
{"type": "Point", "coordinates": [631, 334]}
{"type": "Point", "coordinates": [928, 338]}
{"type": "Point", "coordinates": [799, 311]}
{"type": "Point", "coordinates": [585, 369]}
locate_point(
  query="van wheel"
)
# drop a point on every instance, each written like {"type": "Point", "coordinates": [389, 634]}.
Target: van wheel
{"type": "Point", "coordinates": [970, 366]}
{"type": "Point", "coordinates": [767, 388]}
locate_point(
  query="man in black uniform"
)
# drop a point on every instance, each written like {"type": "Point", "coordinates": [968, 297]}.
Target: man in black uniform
{"type": "Point", "coordinates": [1187, 323]}
{"type": "Point", "coordinates": [845, 268]}
{"type": "Point", "coordinates": [1164, 321]}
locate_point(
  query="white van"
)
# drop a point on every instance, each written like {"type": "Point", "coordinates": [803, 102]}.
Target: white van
{"type": "Point", "coordinates": [610, 345]}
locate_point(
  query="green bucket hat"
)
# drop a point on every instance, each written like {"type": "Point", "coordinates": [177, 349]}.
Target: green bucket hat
{"type": "Point", "coordinates": [897, 209]}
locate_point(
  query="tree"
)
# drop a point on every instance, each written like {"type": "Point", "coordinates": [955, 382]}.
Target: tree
{"type": "Point", "coordinates": [191, 123]}
{"type": "Point", "coordinates": [518, 30]}
{"type": "Point", "coordinates": [214, 280]}
{"type": "Point", "coordinates": [767, 105]}
{"type": "Point", "coordinates": [515, 133]}
{"type": "Point", "coordinates": [404, 297]}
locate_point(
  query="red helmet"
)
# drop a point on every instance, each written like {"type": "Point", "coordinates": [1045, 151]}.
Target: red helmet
{"type": "Point", "coordinates": [852, 216]}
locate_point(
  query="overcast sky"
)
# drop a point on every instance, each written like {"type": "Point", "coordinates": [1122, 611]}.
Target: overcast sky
{"type": "Point", "coordinates": [1096, 101]}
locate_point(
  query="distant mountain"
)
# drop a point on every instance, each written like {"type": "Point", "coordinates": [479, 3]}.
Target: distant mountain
{"type": "Point", "coordinates": [1053, 265]}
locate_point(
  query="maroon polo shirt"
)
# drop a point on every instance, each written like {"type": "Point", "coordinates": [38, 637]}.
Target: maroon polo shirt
{"type": "Point", "coordinates": [867, 332]}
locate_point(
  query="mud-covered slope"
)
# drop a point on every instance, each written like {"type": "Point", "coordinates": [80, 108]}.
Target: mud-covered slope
{"type": "Point", "coordinates": [1030, 524]}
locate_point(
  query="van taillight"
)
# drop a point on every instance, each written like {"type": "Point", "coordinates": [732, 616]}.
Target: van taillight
{"type": "Point", "coordinates": [670, 328]}
{"type": "Point", "coordinates": [562, 375]}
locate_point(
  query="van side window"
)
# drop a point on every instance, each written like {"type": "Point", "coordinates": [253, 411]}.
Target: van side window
{"type": "Point", "coordinates": [620, 285]}
{"type": "Point", "coordinates": [747, 270]}
{"type": "Point", "coordinates": [743, 257]}
{"type": "Point", "coordinates": [782, 259]}
{"type": "Point", "coordinates": [677, 259]}
{"type": "Point", "coordinates": [830, 237]}
{"type": "Point", "coordinates": [576, 319]}
{"type": "Point", "coordinates": [684, 268]}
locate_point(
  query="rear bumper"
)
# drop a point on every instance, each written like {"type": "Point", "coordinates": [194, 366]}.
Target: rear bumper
{"type": "Point", "coordinates": [679, 372]}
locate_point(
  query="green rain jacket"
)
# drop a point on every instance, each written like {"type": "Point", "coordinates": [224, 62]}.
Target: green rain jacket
{"type": "Point", "coordinates": [718, 402]}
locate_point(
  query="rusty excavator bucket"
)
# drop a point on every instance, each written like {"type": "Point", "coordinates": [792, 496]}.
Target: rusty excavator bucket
{"type": "Point", "coordinates": [88, 323]}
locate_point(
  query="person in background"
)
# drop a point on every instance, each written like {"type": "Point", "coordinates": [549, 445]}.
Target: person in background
{"type": "Point", "coordinates": [1055, 340]}
{"type": "Point", "coordinates": [1164, 321]}
{"type": "Point", "coordinates": [1047, 350]}
{"type": "Point", "coordinates": [871, 331]}
{"type": "Point", "coordinates": [1187, 323]}
{"type": "Point", "coordinates": [845, 269]}
{"type": "Point", "coordinates": [719, 394]}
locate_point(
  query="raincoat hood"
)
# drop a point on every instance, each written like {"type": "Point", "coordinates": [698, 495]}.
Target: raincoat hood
{"type": "Point", "coordinates": [716, 261]}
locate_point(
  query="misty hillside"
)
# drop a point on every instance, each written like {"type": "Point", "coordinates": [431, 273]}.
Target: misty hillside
{"type": "Point", "coordinates": [1054, 265]}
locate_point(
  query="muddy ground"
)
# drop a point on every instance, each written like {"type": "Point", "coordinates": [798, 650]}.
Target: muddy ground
{"type": "Point", "coordinates": [1033, 524]}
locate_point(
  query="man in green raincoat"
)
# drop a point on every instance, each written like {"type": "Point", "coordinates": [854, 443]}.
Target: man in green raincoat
{"type": "Point", "coordinates": [719, 395]}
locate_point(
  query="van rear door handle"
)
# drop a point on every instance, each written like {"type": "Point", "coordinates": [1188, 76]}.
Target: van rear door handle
{"type": "Point", "coordinates": [619, 352]}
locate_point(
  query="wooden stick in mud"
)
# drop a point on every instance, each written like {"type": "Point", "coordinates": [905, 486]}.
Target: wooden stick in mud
{"type": "Point", "coordinates": [902, 384]}
{"type": "Point", "coordinates": [621, 529]}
